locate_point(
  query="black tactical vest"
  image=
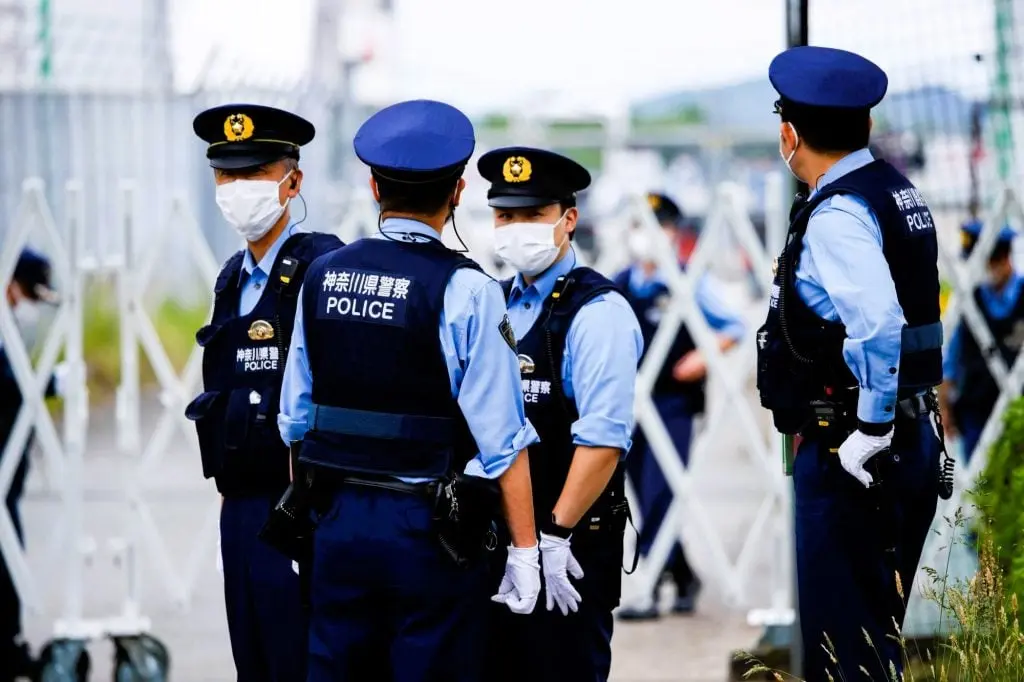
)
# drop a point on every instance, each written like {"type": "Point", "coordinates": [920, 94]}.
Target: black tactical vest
{"type": "Point", "coordinates": [243, 363]}
{"type": "Point", "coordinates": [382, 396]}
{"type": "Point", "coordinates": [800, 355]}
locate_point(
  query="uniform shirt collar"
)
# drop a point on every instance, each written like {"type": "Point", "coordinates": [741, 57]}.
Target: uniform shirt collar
{"type": "Point", "coordinates": [405, 229]}
{"type": "Point", "coordinates": [843, 166]}
{"type": "Point", "coordinates": [267, 262]}
{"type": "Point", "coordinates": [545, 284]}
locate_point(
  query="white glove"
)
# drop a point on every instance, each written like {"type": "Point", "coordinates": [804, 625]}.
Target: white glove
{"type": "Point", "coordinates": [558, 558]}
{"type": "Point", "coordinates": [857, 449]}
{"type": "Point", "coordinates": [220, 560]}
{"type": "Point", "coordinates": [520, 587]}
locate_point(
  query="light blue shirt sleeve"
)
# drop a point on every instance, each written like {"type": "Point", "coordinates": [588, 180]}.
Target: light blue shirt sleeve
{"type": "Point", "coordinates": [296, 385]}
{"type": "Point", "coordinates": [843, 256]}
{"type": "Point", "coordinates": [485, 372]}
{"type": "Point", "coordinates": [718, 315]}
{"type": "Point", "coordinates": [603, 347]}
{"type": "Point", "coordinates": [951, 358]}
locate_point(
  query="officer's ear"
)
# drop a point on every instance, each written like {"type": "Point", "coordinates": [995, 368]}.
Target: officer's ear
{"type": "Point", "coordinates": [375, 189]}
{"type": "Point", "coordinates": [294, 183]}
{"type": "Point", "coordinates": [459, 186]}
{"type": "Point", "coordinates": [569, 222]}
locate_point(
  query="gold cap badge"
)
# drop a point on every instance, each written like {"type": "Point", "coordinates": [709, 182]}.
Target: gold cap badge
{"type": "Point", "coordinates": [517, 169]}
{"type": "Point", "coordinates": [238, 127]}
{"type": "Point", "coordinates": [260, 330]}
{"type": "Point", "coordinates": [654, 201]}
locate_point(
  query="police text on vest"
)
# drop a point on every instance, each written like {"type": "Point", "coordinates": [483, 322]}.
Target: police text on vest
{"type": "Point", "coordinates": [257, 359]}
{"type": "Point", "coordinates": [362, 296]}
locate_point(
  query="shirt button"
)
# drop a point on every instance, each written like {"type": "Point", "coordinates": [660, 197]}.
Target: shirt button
{"type": "Point", "coordinates": [526, 305]}
{"type": "Point", "coordinates": [888, 408]}
{"type": "Point", "coordinates": [257, 285]}
{"type": "Point", "coordinates": [892, 370]}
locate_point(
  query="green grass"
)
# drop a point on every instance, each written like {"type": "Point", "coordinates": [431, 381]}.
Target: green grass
{"type": "Point", "coordinates": [175, 323]}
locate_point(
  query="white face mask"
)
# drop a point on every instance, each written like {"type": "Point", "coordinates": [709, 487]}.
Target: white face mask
{"type": "Point", "coordinates": [787, 159]}
{"type": "Point", "coordinates": [26, 315]}
{"type": "Point", "coordinates": [641, 246]}
{"type": "Point", "coordinates": [530, 248]}
{"type": "Point", "coordinates": [251, 206]}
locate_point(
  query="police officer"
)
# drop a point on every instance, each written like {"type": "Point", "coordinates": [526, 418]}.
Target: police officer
{"type": "Point", "coordinates": [30, 286]}
{"type": "Point", "coordinates": [848, 358]}
{"type": "Point", "coordinates": [678, 392]}
{"type": "Point", "coordinates": [578, 343]}
{"type": "Point", "coordinates": [404, 386]}
{"type": "Point", "coordinates": [968, 392]}
{"type": "Point", "coordinates": [254, 152]}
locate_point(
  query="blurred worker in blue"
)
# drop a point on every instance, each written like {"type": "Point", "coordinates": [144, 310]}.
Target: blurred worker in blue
{"type": "Point", "coordinates": [579, 344]}
{"type": "Point", "coordinates": [29, 286]}
{"type": "Point", "coordinates": [969, 392]}
{"type": "Point", "coordinates": [254, 153]}
{"type": "Point", "coordinates": [848, 358]}
{"type": "Point", "coordinates": [404, 390]}
{"type": "Point", "coordinates": [678, 391]}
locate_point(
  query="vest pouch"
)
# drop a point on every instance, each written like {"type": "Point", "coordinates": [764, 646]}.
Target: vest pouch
{"type": "Point", "coordinates": [207, 411]}
{"type": "Point", "coordinates": [784, 389]}
{"type": "Point", "coordinates": [207, 334]}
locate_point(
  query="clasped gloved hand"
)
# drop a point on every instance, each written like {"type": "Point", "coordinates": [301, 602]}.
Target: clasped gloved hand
{"type": "Point", "coordinates": [559, 564]}
{"type": "Point", "coordinates": [857, 449]}
{"type": "Point", "coordinates": [520, 588]}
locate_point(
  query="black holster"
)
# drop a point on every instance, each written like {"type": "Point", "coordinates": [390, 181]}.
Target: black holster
{"type": "Point", "coordinates": [289, 527]}
{"type": "Point", "coordinates": [466, 513]}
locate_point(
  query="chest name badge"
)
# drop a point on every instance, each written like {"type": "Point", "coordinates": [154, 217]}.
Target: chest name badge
{"type": "Point", "coordinates": [362, 296]}
{"type": "Point", "coordinates": [526, 364]}
{"type": "Point", "coordinates": [261, 330]}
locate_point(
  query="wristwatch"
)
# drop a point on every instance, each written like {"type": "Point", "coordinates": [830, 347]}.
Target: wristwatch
{"type": "Point", "coordinates": [552, 528]}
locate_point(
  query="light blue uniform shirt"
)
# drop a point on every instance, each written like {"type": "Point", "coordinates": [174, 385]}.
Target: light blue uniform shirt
{"type": "Point", "coordinates": [599, 366]}
{"type": "Point", "coordinates": [483, 370]}
{"type": "Point", "coordinates": [253, 277]}
{"type": "Point", "coordinates": [843, 276]}
{"type": "Point", "coordinates": [718, 315]}
{"type": "Point", "coordinates": [999, 305]}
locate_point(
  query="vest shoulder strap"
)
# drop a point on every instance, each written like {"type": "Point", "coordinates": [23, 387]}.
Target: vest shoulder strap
{"type": "Point", "coordinates": [229, 273]}
{"type": "Point", "coordinates": [298, 251]}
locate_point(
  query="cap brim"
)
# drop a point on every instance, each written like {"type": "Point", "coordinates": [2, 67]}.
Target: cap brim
{"type": "Point", "coordinates": [518, 201]}
{"type": "Point", "coordinates": [248, 161]}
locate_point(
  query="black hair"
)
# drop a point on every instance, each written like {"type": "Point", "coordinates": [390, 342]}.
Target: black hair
{"type": "Point", "coordinates": [1001, 251]}
{"type": "Point", "coordinates": [827, 129]}
{"type": "Point", "coordinates": [401, 195]}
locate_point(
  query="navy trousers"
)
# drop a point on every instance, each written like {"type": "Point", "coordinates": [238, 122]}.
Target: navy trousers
{"type": "Point", "coordinates": [266, 622]}
{"type": "Point", "coordinates": [387, 603]}
{"type": "Point", "coordinates": [652, 490]}
{"type": "Point", "coordinates": [10, 604]}
{"type": "Point", "coordinates": [546, 646]}
{"type": "Point", "coordinates": [852, 541]}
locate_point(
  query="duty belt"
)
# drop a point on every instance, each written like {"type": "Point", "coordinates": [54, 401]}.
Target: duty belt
{"type": "Point", "coordinates": [426, 489]}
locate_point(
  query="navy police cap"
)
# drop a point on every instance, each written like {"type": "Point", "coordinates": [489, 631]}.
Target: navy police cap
{"type": "Point", "coordinates": [826, 77]}
{"type": "Point", "coordinates": [247, 135]}
{"type": "Point", "coordinates": [521, 177]}
{"type": "Point", "coordinates": [416, 141]}
{"type": "Point", "coordinates": [971, 230]}
{"type": "Point", "coordinates": [665, 210]}
{"type": "Point", "coordinates": [32, 272]}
